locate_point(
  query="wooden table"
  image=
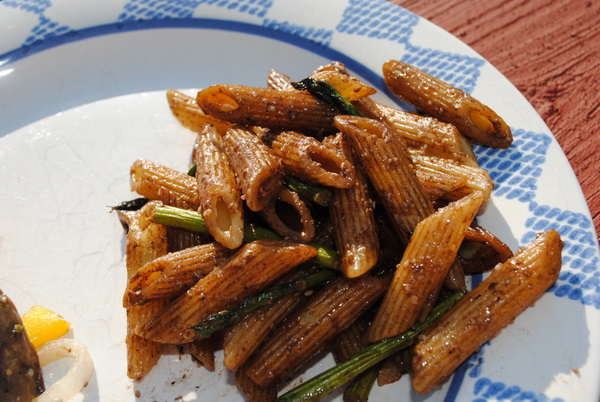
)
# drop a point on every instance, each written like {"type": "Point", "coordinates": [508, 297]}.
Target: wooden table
{"type": "Point", "coordinates": [550, 50]}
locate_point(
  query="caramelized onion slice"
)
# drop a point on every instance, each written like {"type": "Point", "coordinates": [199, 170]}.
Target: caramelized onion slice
{"type": "Point", "coordinates": [78, 375]}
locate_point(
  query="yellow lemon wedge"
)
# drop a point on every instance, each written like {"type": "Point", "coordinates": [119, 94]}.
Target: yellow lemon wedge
{"type": "Point", "coordinates": [43, 325]}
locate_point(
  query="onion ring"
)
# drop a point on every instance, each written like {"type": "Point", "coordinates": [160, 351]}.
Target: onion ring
{"type": "Point", "coordinates": [78, 375]}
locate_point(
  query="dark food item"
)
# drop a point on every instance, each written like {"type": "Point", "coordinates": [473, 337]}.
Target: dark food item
{"type": "Point", "coordinates": [20, 372]}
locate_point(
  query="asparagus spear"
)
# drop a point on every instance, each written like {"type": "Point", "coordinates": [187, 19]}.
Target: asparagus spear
{"type": "Point", "coordinates": [327, 93]}
{"type": "Point", "coordinates": [192, 220]}
{"type": "Point", "coordinates": [221, 319]}
{"type": "Point", "coordinates": [326, 382]}
{"type": "Point", "coordinates": [318, 194]}
{"type": "Point", "coordinates": [360, 388]}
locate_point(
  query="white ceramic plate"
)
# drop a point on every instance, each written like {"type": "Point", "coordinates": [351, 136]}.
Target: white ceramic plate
{"type": "Point", "coordinates": [82, 96]}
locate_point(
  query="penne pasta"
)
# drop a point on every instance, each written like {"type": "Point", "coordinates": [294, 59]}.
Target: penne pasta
{"type": "Point", "coordinates": [310, 160]}
{"type": "Point", "coordinates": [179, 239]}
{"type": "Point", "coordinates": [435, 97]}
{"type": "Point", "coordinates": [384, 158]}
{"type": "Point", "coordinates": [259, 173]}
{"type": "Point", "coordinates": [348, 86]}
{"type": "Point", "coordinates": [382, 154]}
{"type": "Point", "coordinates": [218, 193]}
{"type": "Point", "coordinates": [387, 197]}
{"type": "Point", "coordinates": [158, 182]}
{"type": "Point", "coordinates": [279, 81]}
{"type": "Point", "coordinates": [290, 217]}
{"type": "Point", "coordinates": [190, 115]}
{"type": "Point", "coordinates": [352, 215]}
{"type": "Point", "coordinates": [253, 392]}
{"type": "Point", "coordinates": [146, 241]}
{"type": "Point", "coordinates": [283, 110]}
{"type": "Point", "coordinates": [510, 288]}
{"type": "Point", "coordinates": [311, 327]}
{"type": "Point", "coordinates": [420, 275]}
{"type": "Point", "coordinates": [252, 268]}
{"type": "Point", "coordinates": [174, 273]}
{"type": "Point", "coordinates": [445, 179]}
{"type": "Point", "coordinates": [203, 351]}
{"type": "Point", "coordinates": [482, 250]}
{"type": "Point", "coordinates": [430, 136]}
{"type": "Point", "coordinates": [242, 339]}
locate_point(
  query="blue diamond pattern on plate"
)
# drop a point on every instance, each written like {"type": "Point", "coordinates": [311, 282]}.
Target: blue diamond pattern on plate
{"type": "Point", "coordinates": [515, 172]}
{"type": "Point", "coordinates": [380, 20]}
{"type": "Point", "coordinates": [46, 28]}
{"type": "Point", "coordinates": [315, 34]}
{"type": "Point", "coordinates": [157, 9]}
{"type": "Point", "coordinates": [458, 70]}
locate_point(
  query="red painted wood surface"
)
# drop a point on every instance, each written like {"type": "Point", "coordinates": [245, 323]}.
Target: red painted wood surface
{"type": "Point", "coordinates": [550, 50]}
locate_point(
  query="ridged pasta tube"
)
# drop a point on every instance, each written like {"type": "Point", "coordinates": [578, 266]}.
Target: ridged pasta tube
{"type": "Point", "coordinates": [355, 230]}
{"type": "Point", "coordinates": [509, 290]}
{"type": "Point", "coordinates": [254, 266]}
{"type": "Point", "coordinates": [437, 98]}
{"type": "Point", "coordinates": [158, 182]}
{"type": "Point", "coordinates": [384, 158]}
{"type": "Point", "coordinates": [188, 113]}
{"type": "Point", "coordinates": [310, 160]}
{"type": "Point", "coordinates": [259, 173]}
{"type": "Point", "coordinates": [146, 241]}
{"type": "Point", "coordinates": [172, 274]}
{"type": "Point", "coordinates": [284, 110]}
{"type": "Point", "coordinates": [290, 217]}
{"type": "Point", "coordinates": [425, 263]}
{"type": "Point", "coordinates": [218, 192]}
{"type": "Point", "coordinates": [330, 311]}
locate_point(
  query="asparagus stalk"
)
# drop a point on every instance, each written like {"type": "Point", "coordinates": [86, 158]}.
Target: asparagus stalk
{"type": "Point", "coordinates": [132, 205]}
{"type": "Point", "coordinates": [326, 382]}
{"type": "Point", "coordinates": [221, 319]}
{"type": "Point", "coordinates": [193, 221]}
{"type": "Point", "coordinates": [361, 387]}
{"type": "Point", "coordinates": [318, 194]}
{"type": "Point", "coordinates": [327, 93]}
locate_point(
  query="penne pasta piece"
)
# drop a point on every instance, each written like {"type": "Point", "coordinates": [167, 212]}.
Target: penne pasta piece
{"type": "Point", "coordinates": [445, 179]}
{"type": "Point", "coordinates": [355, 229]}
{"type": "Point", "coordinates": [158, 182]}
{"type": "Point", "coordinates": [252, 268]}
{"type": "Point", "coordinates": [188, 113]}
{"type": "Point", "coordinates": [172, 274]}
{"type": "Point", "coordinates": [430, 136]}
{"type": "Point", "coordinates": [203, 351]}
{"type": "Point", "coordinates": [384, 158]}
{"type": "Point", "coordinates": [348, 86]}
{"type": "Point", "coordinates": [282, 110]}
{"type": "Point", "coordinates": [394, 367]}
{"type": "Point", "coordinates": [290, 217]}
{"type": "Point", "coordinates": [242, 339]}
{"type": "Point", "coordinates": [310, 160]}
{"type": "Point", "coordinates": [218, 193]}
{"type": "Point", "coordinates": [510, 289]}
{"type": "Point", "coordinates": [258, 171]}
{"type": "Point", "coordinates": [146, 241]}
{"type": "Point", "coordinates": [382, 154]}
{"type": "Point", "coordinates": [350, 342]}
{"type": "Point", "coordinates": [432, 250]}
{"type": "Point", "coordinates": [253, 392]}
{"type": "Point", "coordinates": [435, 97]}
{"type": "Point", "coordinates": [179, 239]}
{"type": "Point", "coordinates": [311, 327]}
{"type": "Point", "coordinates": [279, 81]}
{"type": "Point", "coordinates": [482, 250]}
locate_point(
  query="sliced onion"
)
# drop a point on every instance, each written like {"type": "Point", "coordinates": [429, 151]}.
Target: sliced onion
{"type": "Point", "coordinates": [78, 375]}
